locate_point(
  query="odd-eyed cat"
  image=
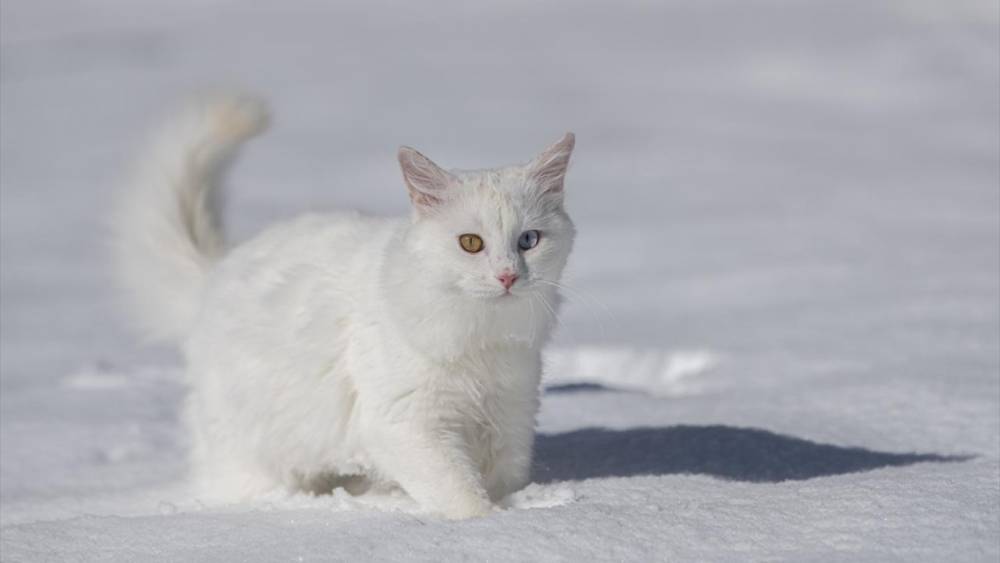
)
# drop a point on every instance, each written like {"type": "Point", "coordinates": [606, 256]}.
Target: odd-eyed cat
{"type": "Point", "coordinates": [348, 350]}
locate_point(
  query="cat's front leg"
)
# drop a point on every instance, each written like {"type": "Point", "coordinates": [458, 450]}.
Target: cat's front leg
{"type": "Point", "coordinates": [433, 467]}
{"type": "Point", "coordinates": [511, 469]}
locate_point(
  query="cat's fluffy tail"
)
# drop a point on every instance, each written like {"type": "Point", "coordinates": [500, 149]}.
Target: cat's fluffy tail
{"type": "Point", "coordinates": [166, 225]}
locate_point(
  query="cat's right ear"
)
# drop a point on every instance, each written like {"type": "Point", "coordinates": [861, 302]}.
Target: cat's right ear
{"type": "Point", "coordinates": [427, 182]}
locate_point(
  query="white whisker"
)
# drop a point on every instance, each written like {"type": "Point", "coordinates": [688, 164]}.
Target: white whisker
{"type": "Point", "coordinates": [589, 302]}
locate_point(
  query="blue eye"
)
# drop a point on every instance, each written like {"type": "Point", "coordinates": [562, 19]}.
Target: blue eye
{"type": "Point", "coordinates": [528, 240]}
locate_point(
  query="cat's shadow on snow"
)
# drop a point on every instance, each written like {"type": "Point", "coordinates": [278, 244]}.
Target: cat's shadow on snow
{"type": "Point", "coordinates": [741, 454]}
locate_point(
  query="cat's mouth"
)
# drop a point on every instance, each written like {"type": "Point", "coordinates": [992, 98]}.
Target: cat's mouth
{"type": "Point", "coordinates": [519, 291]}
{"type": "Point", "coordinates": [498, 296]}
{"type": "Point", "coordinates": [514, 294]}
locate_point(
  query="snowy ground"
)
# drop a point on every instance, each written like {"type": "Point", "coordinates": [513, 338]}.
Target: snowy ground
{"type": "Point", "coordinates": [784, 341]}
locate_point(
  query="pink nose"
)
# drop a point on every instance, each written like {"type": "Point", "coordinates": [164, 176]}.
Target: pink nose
{"type": "Point", "coordinates": [507, 279]}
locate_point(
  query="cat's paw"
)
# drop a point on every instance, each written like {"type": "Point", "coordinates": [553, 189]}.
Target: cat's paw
{"type": "Point", "coordinates": [470, 509]}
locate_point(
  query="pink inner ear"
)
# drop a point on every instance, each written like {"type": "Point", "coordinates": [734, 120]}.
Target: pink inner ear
{"type": "Point", "coordinates": [425, 181]}
{"type": "Point", "coordinates": [424, 199]}
{"type": "Point", "coordinates": [549, 168]}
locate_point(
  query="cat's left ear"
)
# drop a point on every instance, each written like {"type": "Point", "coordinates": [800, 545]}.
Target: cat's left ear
{"type": "Point", "coordinates": [548, 170]}
{"type": "Point", "coordinates": [427, 182]}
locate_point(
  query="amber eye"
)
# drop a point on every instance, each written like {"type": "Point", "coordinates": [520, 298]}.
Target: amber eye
{"type": "Point", "coordinates": [470, 243]}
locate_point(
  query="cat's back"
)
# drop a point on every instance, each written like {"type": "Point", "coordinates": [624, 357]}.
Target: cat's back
{"type": "Point", "coordinates": [320, 239]}
{"type": "Point", "coordinates": [298, 272]}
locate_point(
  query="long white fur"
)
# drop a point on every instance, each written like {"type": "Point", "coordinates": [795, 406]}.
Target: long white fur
{"type": "Point", "coordinates": [348, 350]}
{"type": "Point", "coordinates": [166, 225]}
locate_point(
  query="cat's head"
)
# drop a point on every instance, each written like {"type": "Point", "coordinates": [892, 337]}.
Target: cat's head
{"type": "Point", "coordinates": [497, 234]}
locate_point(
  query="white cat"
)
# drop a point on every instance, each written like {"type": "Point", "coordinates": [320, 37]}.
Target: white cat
{"type": "Point", "coordinates": [345, 350]}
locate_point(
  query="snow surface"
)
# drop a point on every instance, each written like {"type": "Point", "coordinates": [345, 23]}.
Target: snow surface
{"type": "Point", "coordinates": [783, 340]}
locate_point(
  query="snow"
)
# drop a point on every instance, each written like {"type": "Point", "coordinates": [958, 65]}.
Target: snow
{"type": "Point", "coordinates": [782, 339]}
